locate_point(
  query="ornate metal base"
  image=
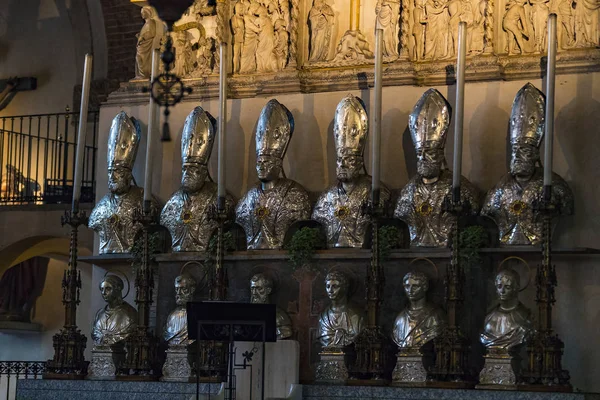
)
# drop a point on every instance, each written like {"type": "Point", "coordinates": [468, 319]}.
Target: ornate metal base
{"type": "Point", "coordinates": [140, 363]}
{"type": "Point", "coordinates": [498, 372]}
{"type": "Point", "coordinates": [68, 361]}
{"type": "Point", "coordinates": [177, 367]}
{"type": "Point", "coordinates": [451, 360]}
{"type": "Point", "coordinates": [213, 360]}
{"type": "Point", "coordinates": [105, 361]}
{"type": "Point", "coordinates": [409, 370]}
{"type": "Point", "coordinates": [370, 355]}
{"type": "Point", "coordinates": [332, 367]}
{"type": "Point", "coordinates": [544, 352]}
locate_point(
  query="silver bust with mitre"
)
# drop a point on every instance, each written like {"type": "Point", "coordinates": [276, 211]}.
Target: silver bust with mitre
{"type": "Point", "coordinates": [420, 201]}
{"type": "Point", "coordinates": [506, 329]}
{"type": "Point", "coordinates": [511, 202]}
{"type": "Point", "coordinates": [414, 327]}
{"type": "Point", "coordinates": [340, 209]}
{"type": "Point", "coordinates": [267, 210]}
{"type": "Point", "coordinates": [187, 214]}
{"type": "Point", "coordinates": [113, 323]}
{"type": "Point", "coordinates": [113, 216]}
{"type": "Point", "coordinates": [261, 288]}
{"type": "Point", "coordinates": [177, 366]}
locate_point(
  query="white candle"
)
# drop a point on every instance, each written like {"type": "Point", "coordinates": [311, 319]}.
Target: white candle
{"type": "Point", "coordinates": [460, 105]}
{"type": "Point", "coordinates": [550, 82]}
{"type": "Point", "coordinates": [222, 119]}
{"type": "Point", "coordinates": [376, 140]}
{"type": "Point", "coordinates": [83, 115]}
{"type": "Point", "coordinates": [152, 113]}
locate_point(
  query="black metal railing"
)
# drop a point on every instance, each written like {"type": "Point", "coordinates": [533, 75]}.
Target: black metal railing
{"type": "Point", "coordinates": [11, 371]}
{"type": "Point", "coordinates": [37, 158]}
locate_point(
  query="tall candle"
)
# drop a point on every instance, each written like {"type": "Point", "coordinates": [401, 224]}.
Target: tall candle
{"type": "Point", "coordinates": [149, 138]}
{"type": "Point", "coordinates": [83, 115]}
{"type": "Point", "coordinates": [222, 121]}
{"type": "Point", "coordinates": [550, 82]}
{"type": "Point", "coordinates": [376, 140]}
{"type": "Point", "coordinates": [459, 107]}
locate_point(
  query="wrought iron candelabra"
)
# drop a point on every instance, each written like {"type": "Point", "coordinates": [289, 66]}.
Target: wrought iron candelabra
{"type": "Point", "coordinates": [544, 348]}
{"type": "Point", "coordinates": [218, 290]}
{"type": "Point", "coordinates": [69, 343]}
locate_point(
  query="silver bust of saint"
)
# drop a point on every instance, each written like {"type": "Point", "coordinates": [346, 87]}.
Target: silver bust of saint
{"type": "Point", "coordinates": [421, 321]}
{"type": "Point", "coordinates": [339, 323]}
{"type": "Point", "coordinates": [340, 208]}
{"type": "Point", "coordinates": [118, 319]}
{"type": "Point", "coordinates": [176, 329]}
{"type": "Point", "coordinates": [260, 289]}
{"type": "Point", "coordinates": [420, 201]}
{"type": "Point", "coordinates": [510, 202]}
{"type": "Point", "coordinates": [187, 213]}
{"type": "Point", "coordinates": [509, 323]}
{"type": "Point", "coordinates": [112, 217]}
{"type": "Point", "coordinates": [269, 208]}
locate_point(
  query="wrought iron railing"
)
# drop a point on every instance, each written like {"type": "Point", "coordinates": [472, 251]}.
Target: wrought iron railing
{"type": "Point", "coordinates": [37, 158]}
{"type": "Point", "coordinates": [11, 371]}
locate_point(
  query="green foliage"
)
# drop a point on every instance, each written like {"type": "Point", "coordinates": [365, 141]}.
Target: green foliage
{"type": "Point", "coordinates": [137, 250]}
{"type": "Point", "coordinates": [211, 250]}
{"type": "Point", "coordinates": [472, 239]}
{"type": "Point", "coordinates": [303, 245]}
{"type": "Point", "coordinates": [389, 239]}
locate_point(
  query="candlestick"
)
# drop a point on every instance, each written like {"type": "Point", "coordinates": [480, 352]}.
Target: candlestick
{"type": "Point", "coordinates": [222, 123]}
{"type": "Point", "coordinates": [376, 144]}
{"type": "Point", "coordinates": [149, 138]}
{"type": "Point", "coordinates": [459, 109]}
{"type": "Point", "coordinates": [83, 114]}
{"type": "Point", "coordinates": [550, 82]}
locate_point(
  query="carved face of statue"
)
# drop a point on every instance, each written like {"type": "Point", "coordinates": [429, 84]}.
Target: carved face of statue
{"type": "Point", "coordinates": [146, 13]}
{"type": "Point", "coordinates": [415, 287]}
{"type": "Point", "coordinates": [348, 167]}
{"type": "Point", "coordinates": [193, 177]}
{"type": "Point", "coordinates": [429, 162]}
{"type": "Point", "coordinates": [523, 160]}
{"type": "Point", "coordinates": [268, 168]}
{"type": "Point", "coordinates": [336, 289]}
{"type": "Point", "coordinates": [260, 289]}
{"type": "Point", "coordinates": [184, 290]}
{"type": "Point", "coordinates": [119, 180]}
{"type": "Point", "coordinates": [111, 293]}
{"type": "Point", "coordinates": [507, 286]}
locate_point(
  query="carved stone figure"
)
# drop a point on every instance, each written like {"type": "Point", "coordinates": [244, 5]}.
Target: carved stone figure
{"type": "Point", "coordinates": [274, 204]}
{"type": "Point", "coordinates": [353, 47]}
{"type": "Point", "coordinates": [340, 208]}
{"type": "Point", "coordinates": [509, 323]}
{"type": "Point", "coordinates": [339, 323]}
{"type": "Point", "coordinates": [539, 15]}
{"type": "Point", "coordinates": [516, 26]}
{"type": "Point", "coordinates": [176, 328]}
{"type": "Point", "coordinates": [260, 289]}
{"type": "Point", "coordinates": [116, 321]}
{"type": "Point", "coordinates": [510, 202]}
{"type": "Point", "coordinates": [112, 217]}
{"type": "Point", "coordinates": [436, 35]}
{"type": "Point", "coordinates": [265, 51]}
{"type": "Point", "coordinates": [419, 26]}
{"type": "Point", "coordinates": [282, 38]}
{"type": "Point", "coordinates": [460, 11]}
{"type": "Point", "coordinates": [237, 28]}
{"type": "Point", "coordinates": [587, 19]}
{"type": "Point", "coordinates": [388, 16]}
{"type": "Point", "coordinates": [420, 202]}
{"type": "Point", "coordinates": [187, 213]}
{"type": "Point", "coordinates": [321, 20]}
{"type": "Point", "coordinates": [477, 41]}
{"type": "Point", "coordinates": [185, 57]}
{"type": "Point", "coordinates": [148, 39]}
{"type": "Point", "coordinates": [421, 321]}
{"type": "Point", "coordinates": [565, 21]}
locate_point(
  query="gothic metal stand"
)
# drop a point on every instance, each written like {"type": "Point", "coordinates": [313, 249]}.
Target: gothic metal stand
{"type": "Point", "coordinates": [451, 368]}
{"type": "Point", "coordinates": [218, 291]}
{"type": "Point", "coordinates": [69, 343]}
{"type": "Point", "coordinates": [370, 343]}
{"type": "Point", "coordinates": [544, 349]}
{"type": "Point", "coordinates": [142, 345]}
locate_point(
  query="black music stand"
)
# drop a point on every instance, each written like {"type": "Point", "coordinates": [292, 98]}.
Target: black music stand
{"type": "Point", "coordinates": [228, 322]}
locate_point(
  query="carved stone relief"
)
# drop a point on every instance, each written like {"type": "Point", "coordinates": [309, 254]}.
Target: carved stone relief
{"type": "Point", "coordinates": [321, 20]}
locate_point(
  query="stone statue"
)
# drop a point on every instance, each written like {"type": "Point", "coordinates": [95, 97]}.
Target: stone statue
{"type": "Point", "coordinates": [260, 289]}
{"type": "Point", "coordinates": [148, 39]}
{"type": "Point", "coordinates": [265, 50]}
{"type": "Point", "coordinates": [565, 21]}
{"type": "Point", "coordinates": [421, 321]}
{"type": "Point", "coordinates": [419, 26]}
{"type": "Point", "coordinates": [282, 38]}
{"type": "Point", "coordinates": [340, 208]}
{"type": "Point", "coordinates": [113, 216]}
{"type": "Point", "coordinates": [339, 323]}
{"type": "Point", "coordinates": [509, 323]}
{"type": "Point", "coordinates": [388, 18]}
{"type": "Point", "coordinates": [353, 47]}
{"type": "Point", "coordinates": [176, 328]}
{"type": "Point", "coordinates": [436, 35]}
{"type": "Point", "coordinates": [321, 20]}
{"type": "Point", "coordinates": [274, 204]}
{"type": "Point", "coordinates": [186, 59]}
{"type": "Point", "coordinates": [477, 43]}
{"type": "Point", "coordinates": [587, 19]}
{"type": "Point", "coordinates": [516, 26]}
{"type": "Point", "coordinates": [420, 202]}
{"type": "Point", "coordinates": [539, 15]}
{"type": "Point", "coordinates": [118, 319]}
{"type": "Point", "coordinates": [237, 28]}
{"type": "Point", "coordinates": [460, 11]}
{"type": "Point", "coordinates": [510, 202]}
{"type": "Point", "coordinates": [187, 213]}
